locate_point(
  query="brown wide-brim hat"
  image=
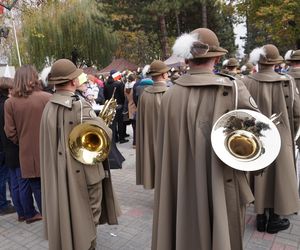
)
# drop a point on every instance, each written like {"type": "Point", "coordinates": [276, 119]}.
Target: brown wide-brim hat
{"type": "Point", "coordinates": [271, 57]}
{"type": "Point", "coordinates": [158, 67]}
{"type": "Point", "coordinates": [63, 71]}
{"type": "Point", "coordinates": [294, 56]}
{"type": "Point", "coordinates": [207, 37]}
{"type": "Point", "coordinates": [232, 62]}
{"type": "Point", "coordinates": [200, 43]}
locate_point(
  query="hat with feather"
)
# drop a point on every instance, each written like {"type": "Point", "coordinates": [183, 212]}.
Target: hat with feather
{"type": "Point", "coordinates": [231, 62]}
{"type": "Point", "coordinates": [200, 43]}
{"type": "Point", "coordinates": [292, 55]}
{"type": "Point", "coordinates": [267, 54]}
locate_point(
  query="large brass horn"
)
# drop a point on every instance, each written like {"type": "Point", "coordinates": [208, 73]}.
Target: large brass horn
{"type": "Point", "coordinates": [89, 143]}
{"type": "Point", "coordinates": [246, 140]}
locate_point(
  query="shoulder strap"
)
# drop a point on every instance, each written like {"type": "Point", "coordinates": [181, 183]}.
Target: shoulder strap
{"type": "Point", "coordinates": [235, 88]}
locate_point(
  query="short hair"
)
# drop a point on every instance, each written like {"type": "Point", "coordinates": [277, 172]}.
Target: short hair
{"type": "Point", "coordinates": [6, 84]}
{"type": "Point", "coordinates": [26, 81]}
{"type": "Point", "coordinates": [199, 61]}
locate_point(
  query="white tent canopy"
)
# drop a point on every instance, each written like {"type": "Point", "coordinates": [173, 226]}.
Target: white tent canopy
{"type": "Point", "coordinates": [7, 71]}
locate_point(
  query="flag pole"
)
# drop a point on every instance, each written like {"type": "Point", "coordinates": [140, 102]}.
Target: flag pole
{"type": "Point", "coordinates": [16, 38]}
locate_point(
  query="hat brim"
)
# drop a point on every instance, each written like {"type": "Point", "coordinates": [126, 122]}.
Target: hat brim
{"type": "Point", "coordinates": [65, 79]}
{"type": "Point", "coordinates": [293, 59]}
{"type": "Point", "coordinates": [157, 73]}
{"type": "Point", "coordinates": [212, 54]}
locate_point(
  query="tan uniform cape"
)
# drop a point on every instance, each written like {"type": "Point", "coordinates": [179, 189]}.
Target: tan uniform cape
{"type": "Point", "coordinates": [295, 73]}
{"type": "Point", "coordinates": [277, 186]}
{"type": "Point", "coordinates": [71, 192]}
{"type": "Point", "coordinates": [199, 202]}
{"type": "Point", "coordinates": [146, 128]}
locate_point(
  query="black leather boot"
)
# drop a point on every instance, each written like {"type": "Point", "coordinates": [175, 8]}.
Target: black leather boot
{"type": "Point", "coordinates": [261, 222]}
{"type": "Point", "coordinates": [276, 224]}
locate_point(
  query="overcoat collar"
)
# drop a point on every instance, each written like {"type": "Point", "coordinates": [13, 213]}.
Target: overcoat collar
{"type": "Point", "coordinates": [201, 77]}
{"type": "Point", "coordinates": [268, 75]}
{"type": "Point", "coordinates": [158, 87]}
{"type": "Point", "coordinates": [64, 98]}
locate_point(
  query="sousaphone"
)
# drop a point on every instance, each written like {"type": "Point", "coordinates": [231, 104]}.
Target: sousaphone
{"type": "Point", "coordinates": [246, 140]}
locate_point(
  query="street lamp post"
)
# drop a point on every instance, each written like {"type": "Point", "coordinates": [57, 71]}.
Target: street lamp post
{"type": "Point", "coordinates": [9, 6]}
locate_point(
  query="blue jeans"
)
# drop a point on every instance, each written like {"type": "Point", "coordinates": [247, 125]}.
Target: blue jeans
{"type": "Point", "coordinates": [22, 189]}
{"type": "Point", "coordinates": [4, 177]}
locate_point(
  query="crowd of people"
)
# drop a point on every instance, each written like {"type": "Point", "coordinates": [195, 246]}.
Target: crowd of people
{"type": "Point", "coordinates": [199, 201]}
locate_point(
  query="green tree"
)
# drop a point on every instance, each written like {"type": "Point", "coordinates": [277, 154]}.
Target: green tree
{"type": "Point", "coordinates": [270, 21]}
{"type": "Point", "coordinates": [163, 20]}
{"type": "Point", "coordinates": [65, 29]}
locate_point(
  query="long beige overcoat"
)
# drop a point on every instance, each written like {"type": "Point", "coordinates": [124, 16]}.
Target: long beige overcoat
{"type": "Point", "coordinates": [131, 105]}
{"type": "Point", "coordinates": [199, 201]}
{"type": "Point", "coordinates": [146, 128]}
{"type": "Point", "coordinates": [71, 191]}
{"type": "Point", "coordinates": [22, 126]}
{"type": "Point", "coordinates": [277, 186]}
{"type": "Point", "coordinates": [295, 73]}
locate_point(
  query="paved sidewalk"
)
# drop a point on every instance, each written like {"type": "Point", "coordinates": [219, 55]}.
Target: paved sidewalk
{"type": "Point", "coordinates": [134, 229]}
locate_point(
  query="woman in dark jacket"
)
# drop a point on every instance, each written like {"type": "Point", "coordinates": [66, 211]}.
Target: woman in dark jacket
{"type": "Point", "coordinates": [10, 150]}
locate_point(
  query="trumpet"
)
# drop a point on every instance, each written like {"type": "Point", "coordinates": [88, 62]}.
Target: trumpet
{"type": "Point", "coordinates": [89, 143]}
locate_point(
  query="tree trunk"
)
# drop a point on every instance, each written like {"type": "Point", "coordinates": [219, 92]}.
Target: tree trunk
{"type": "Point", "coordinates": [177, 24]}
{"type": "Point", "coordinates": [164, 36]}
{"type": "Point", "coordinates": [204, 14]}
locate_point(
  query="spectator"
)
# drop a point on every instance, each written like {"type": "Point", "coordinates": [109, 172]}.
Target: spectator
{"type": "Point", "coordinates": [22, 114]}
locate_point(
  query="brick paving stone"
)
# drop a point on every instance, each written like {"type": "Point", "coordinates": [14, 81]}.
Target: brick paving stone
{"type": "Point", "coordinates": [135, 224]}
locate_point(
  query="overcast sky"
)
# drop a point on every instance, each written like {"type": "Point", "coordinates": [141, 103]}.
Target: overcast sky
{"type": "Point", "coordinates": [240, 31]}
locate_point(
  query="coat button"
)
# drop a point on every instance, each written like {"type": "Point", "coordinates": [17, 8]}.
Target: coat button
{"type": "Point", "coordinates": [229, 180]}
{"type": "Point", "coordinates": [60, 153]}
{"type": "Point", "coordinates": [70, 122]}
{"type": "Point", "coordinates": [226, 111]}
{"type": "Point", "coordinates": [225, 93]}
{"type": "Point", "coordinates": [77, 171]}
{"type": "Point", "coordinates": [285, 85]}
{"type": "Point", "coordinates": [286, 96]}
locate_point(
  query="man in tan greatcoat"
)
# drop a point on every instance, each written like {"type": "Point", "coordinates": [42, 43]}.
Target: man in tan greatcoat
{"type": "Point", "coordinates": [292, 57]}
{"type": "Point", "coordinates": [199, 202]}
{"type": "Point", "coordinates": [74, 195]}
{"type": "Point", "coordinates": [230, 67]}
{"type": "Point", "coordinates": [146, 126]}
{"type": "Point", "coordinates": [275, 190]}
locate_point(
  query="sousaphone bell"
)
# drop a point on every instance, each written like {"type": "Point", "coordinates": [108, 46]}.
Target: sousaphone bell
{"type": "Point", "coordinates": [246, 140]}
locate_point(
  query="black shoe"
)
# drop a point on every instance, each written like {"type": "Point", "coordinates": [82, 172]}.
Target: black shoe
{"type": "Point", "coordinates": [123, 141]}
{"type": "Point", "coordinates": [9, 209]}
{"type": "Point", "coordinates": [261, 222]}
{"type": "Point", "coordinates": [277, 224]}
{"type": "Point", "coordinates": [127, 135]}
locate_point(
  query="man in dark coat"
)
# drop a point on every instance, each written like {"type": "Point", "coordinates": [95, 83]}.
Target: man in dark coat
{"type": "Point", "coordinates": [117, 87]}
{"type": "Point", "coordinates": [275, 190]}
{"type": "Point", "coordinates": [199, 201]}
{"type": "Point", "coordinates": [74, 194]}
